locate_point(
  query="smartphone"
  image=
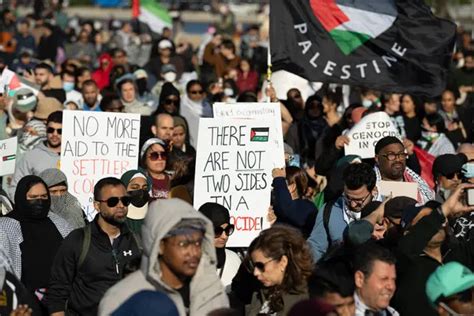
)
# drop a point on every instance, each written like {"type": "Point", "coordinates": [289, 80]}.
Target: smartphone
{"type": "Point", "coordinates": [470, 197]}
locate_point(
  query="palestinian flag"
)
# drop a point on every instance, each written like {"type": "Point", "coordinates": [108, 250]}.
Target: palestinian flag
{"type": "Point", "coordinates": [387, 45]}
{"type": "Point", "coordinates": [259, 134]}
{"type": "Point", "coordinates": [152, 13]}
{"type": "Point", "coordinates": [352, 23]}
{"type": "Point", "coordinates": [9, 157]}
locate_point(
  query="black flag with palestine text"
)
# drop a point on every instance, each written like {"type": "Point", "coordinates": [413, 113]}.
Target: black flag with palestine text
{"type": "Point", "coordinates": [387, 45]}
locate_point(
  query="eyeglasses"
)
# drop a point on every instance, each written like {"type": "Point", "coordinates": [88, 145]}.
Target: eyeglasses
{"type": "Point", "coordinates": [357, 202]}
{"type": "Point", "coordinates": [113, 201]}
{"type": "Point", "coordinates": [51, 130]}
{"type": "Point", "coordinates": [196, 92]}
{"type": "Point", "coordinates": [260, 266]}
{"type": "Point", "coordinates": [393, 156]}
{"type": "Point", "coordinates": [229, 230]}
{"type": "Point", "coordinates": [158, 155]}
{"type": "Point", "coordinates": [450, 176]}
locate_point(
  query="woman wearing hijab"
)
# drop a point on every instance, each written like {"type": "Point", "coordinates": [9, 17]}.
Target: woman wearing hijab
{"type": "Point", "coordinates": [30, 235]}
{"type": "Point", "coordinates": [193, 107]}
{"type": "Point", "coordinates": [169, 100]}
{"type": "Point", "coordinates": [138, 185]}
{"type": "Point", "coordinates": [63, 203]}
{"type": "Point", "coordinates": [228, 262]}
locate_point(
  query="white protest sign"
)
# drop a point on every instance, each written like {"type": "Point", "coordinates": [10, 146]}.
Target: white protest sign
{"type": "Point", "coordinates": [8, 155]}
{"type": "Point", "coordinates": [398, 188]}
{"type": "Point", "coordinates": [365, 134]}
{"type": "Point", "coordinates": [233, 169]}
{"type": "Point", "coordinates": [256, 111]}
{"type": "Point", "coordinates": [96, 145]}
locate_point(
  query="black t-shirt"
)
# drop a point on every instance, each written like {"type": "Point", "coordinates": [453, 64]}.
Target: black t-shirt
{"type": "Point", "coordinates": [184, 292]}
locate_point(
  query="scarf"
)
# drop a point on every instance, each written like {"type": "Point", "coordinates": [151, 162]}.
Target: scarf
{"type": "Point", "coordinates": [425, 194]}
{"type": "Point", "coordinates": [68, 207]}
{"type": "Point", "coordinates": [41, 238]}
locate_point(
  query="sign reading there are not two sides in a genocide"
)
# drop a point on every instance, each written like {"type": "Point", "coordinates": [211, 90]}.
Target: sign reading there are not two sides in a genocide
{"type": "Point", "coordinates": [97, 145]}
{"type": "Point", "coordinates": [234, 169]}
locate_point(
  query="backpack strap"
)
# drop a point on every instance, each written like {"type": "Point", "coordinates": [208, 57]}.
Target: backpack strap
{"type": "Point", "coordinates": [137, 241]}
{"type": "Point", "coordinates": [86, 242]}
{"type": "Point", "coordinates": [326, 217]}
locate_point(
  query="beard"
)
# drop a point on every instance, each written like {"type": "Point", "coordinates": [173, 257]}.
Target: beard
{"type": "Point", "coordinates": [112, 220]}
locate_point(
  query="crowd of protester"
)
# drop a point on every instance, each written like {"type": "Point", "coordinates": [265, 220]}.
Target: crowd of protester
{"type": "Point", "coordinates": [336, 245]}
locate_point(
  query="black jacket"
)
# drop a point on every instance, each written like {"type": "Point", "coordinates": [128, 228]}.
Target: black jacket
{"type": "Point", "coordinates": [82, 288]}
{"type": "Point", "coordinates": [414, 267]}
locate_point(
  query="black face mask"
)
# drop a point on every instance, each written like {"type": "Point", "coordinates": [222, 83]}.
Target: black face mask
{"type": "Point", "coordinates": [38, 208]}
{"type": "Point", "coordinates": [139, 197]}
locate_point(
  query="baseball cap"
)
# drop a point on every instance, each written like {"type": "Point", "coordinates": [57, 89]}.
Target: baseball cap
{"type": "Point", "coordinates": [395, 206]}
{"type": "Point", "coordinates": [168, 68]}
{"type": "Point", "coordinates": [447, 280]}
{"type": "Point", "coordinates": [25, 100]}
{"type": "Point", "coordinates": [448, 164]}
{"type": "Point", "coordinates": [163, 44]}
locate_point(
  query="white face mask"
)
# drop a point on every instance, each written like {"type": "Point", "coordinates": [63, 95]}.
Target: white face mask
{"type": "Point", "coordinates": [169, 76]}
{"type": "Point", "coordinates": [468, 170]}
{"type": "Point", "coordinates": [228, 92]}
{"type": "Point", "coordinates": [366, 103]}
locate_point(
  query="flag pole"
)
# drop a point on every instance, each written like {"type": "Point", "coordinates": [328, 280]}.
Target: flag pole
{"type": "Point", "coordinates": [269, 68]}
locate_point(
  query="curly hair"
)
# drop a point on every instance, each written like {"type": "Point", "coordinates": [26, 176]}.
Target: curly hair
{"type": "Point", "coordinates": [282, 240]}
{"type": "Point", "coordinates": [358, 174]}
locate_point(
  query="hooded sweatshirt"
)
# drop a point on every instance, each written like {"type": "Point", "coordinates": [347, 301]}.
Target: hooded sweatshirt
{"type": "Point", "coordinates": [34, 162]}
{"type": "Point", "coordinates": [206, 290]}
{"type": "Point", "coordinates": [102, 75]}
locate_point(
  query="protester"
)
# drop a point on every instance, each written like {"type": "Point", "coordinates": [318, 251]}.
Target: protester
{"type": "Point", "coordinates": [138, 188]}
{"type": "Point", "coordinates": [281, 260]}
{"type": "Point", "coordinates": [163, 127]}
{"type": "Point", "coordinates": [93, 258]}
{"type": "Point", "coordinates": [153, 157]}
{"type": "Point", "coordinates": [374, 278]}
{"type": "Point", "coordinates": [391, 165]}
{"type": "Point", "coordinates": [228, 262]}
{"type": "Point", "coordinates": [193, 107]}
{"type": "Point", "coordinates": [63, 203]}
{"type": "Point", "coordinates": [178, 260]}
{"type": "Point", "coordinates": [449, 288]}
{"type": "Point", "coordinates": [335, 216]}
{"type": "Point", "coordinates": [433, 138]}
{"type": "Point", "coordinates": [43, 156]}
{"type": "Point", "coordinates": [447, 174]}
{"type": "Point", "coordinates": [290, 204]}
{"type": "Point", "coordinates": [91, 96]}
{"type": "Point", "coordinates": [181, 137]}
{"type": "Point", "coordinates": [31, 235]}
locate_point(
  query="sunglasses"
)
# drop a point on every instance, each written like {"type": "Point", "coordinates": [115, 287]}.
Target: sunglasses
{"type": "Point", "coordinates": [196, 92]}
{"type": "Point", "coordinates": [228, 230]}
{"type": "Point", "coordinates": [113, 201]}
{"type": "Point", "coordinates": [451, 176]}
{"type": "Point", "coordinates": [170, 101]}
{"type": "Point", "coordinates": [51, 130]}
{"type": "Point", "coordinates": [158, 155]}
{"type": "Point", "coordinates": [260, 266]}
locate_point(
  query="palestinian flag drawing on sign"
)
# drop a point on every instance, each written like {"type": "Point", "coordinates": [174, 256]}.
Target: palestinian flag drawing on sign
{"type": "Point", "coordinates": [352, 23]}
{"type": "Point", "coordinates": [388, 45]}
{"type": "Point", "coordinates": [259, 134]}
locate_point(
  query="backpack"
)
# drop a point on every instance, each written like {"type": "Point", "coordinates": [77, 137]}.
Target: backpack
{"type": "Point", "coordinates": [326, 217]}
{"type": "Point", "coordinates": [86, 242]}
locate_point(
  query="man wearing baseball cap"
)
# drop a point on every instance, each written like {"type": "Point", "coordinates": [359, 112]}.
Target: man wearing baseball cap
{"type": "Point", "coordinates": [450, 289]}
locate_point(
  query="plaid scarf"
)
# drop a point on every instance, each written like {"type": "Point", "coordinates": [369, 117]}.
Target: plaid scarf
{"type": "Point", "coordinates": [425, 194]}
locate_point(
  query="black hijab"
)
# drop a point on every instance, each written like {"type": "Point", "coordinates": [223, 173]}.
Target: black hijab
{"type": "Point", "coordinates": [41, 238]}
{"type": "Point", "coordinates": [218, 215]}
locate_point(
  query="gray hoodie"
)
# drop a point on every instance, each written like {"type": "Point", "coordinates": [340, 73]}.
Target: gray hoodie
{"type": "Point", "coordinates": [33, 162]}
{"type": "Point", "coordinates": [206, 290]}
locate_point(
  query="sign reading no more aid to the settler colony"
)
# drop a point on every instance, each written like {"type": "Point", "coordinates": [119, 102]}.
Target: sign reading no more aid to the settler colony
{"type": "Point", "coordinates": [234, 169]}
{"type": "Point", "coordinates": [96, 145]}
